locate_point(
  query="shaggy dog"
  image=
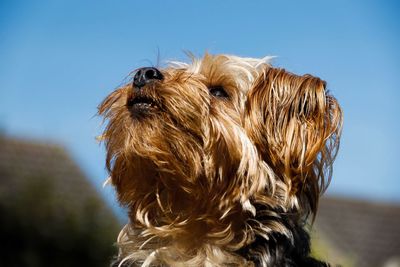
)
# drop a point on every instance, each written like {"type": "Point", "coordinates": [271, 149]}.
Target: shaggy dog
{"type": "Point", "coordinates": [220, 162]}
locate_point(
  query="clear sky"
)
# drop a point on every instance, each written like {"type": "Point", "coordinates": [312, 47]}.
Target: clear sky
{"type": "Point", "coordinates": [59, 59]}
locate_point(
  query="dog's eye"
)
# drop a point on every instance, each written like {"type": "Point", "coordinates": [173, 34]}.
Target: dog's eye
{"type": "Point", "coordinates": [218, 91]}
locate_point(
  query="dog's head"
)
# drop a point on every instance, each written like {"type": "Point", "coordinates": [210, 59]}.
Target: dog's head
{"type": "Point", "coordinates": [214, 140]}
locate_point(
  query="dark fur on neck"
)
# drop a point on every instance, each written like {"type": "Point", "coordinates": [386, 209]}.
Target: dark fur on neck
{"type": "Point", "coordinates": [281, 250]}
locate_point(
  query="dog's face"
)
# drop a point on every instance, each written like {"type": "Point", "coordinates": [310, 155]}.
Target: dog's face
{"type": "Point", "coordinates": [205, 145]}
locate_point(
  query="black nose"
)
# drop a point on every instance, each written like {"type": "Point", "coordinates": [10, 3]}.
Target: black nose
{"type": "Point", "coordinates": [147, 75]}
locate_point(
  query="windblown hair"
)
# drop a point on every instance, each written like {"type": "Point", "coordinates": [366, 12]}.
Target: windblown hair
{"type": "Point", "coordinates": [225, 165]}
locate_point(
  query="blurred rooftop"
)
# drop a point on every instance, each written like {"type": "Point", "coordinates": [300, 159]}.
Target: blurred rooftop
{"type": "Point", "coordinates": [50, 213]}
{"type": "Point", "coordinates": [364, 233]}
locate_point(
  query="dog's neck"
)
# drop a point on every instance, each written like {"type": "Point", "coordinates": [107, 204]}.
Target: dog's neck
{"type": "Point", "coordinates": [274, 237]}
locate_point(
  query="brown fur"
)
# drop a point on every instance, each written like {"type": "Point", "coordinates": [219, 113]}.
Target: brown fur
{"type": "Point", "coordinates": [203, 177]}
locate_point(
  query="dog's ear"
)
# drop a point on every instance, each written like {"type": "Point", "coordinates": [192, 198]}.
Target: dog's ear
{"type": "Point", "coordinates": [296, 126]}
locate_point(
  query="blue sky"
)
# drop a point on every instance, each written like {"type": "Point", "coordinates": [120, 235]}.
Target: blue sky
{"type": "Point", "coordinates": [59, 59]}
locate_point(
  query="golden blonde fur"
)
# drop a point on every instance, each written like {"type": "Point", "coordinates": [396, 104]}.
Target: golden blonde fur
{"type": "Point", "coordinates": [204, 177]}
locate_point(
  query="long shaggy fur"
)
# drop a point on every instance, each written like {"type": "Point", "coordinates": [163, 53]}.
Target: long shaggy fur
{"type": "Point", "coordinates": [221, 181]}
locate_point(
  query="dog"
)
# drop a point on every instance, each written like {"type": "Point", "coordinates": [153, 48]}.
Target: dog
{"type": "Point", "coordinates": [220, 162]}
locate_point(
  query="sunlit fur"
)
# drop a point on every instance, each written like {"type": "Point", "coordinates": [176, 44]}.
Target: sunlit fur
{"type": "Point", "coordinates": [212, 181]}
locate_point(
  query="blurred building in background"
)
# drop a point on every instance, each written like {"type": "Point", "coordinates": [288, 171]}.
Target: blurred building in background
{"type": "Point", "coordinates": [358, 233]}
{"type": "Point", "coordinates": [50, 214]}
